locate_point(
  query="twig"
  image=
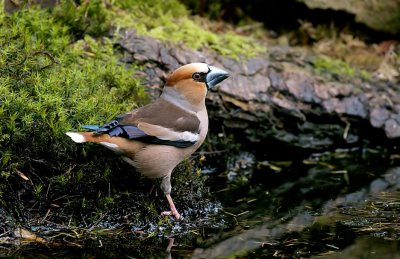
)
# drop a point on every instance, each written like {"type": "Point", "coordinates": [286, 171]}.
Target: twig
{"type": "Point", "coordinates": [211, 152]}
{"type": "Point", "coordinates": [42, 52]}
{"type": "Point", "coordinates": [97, 222]}
{"type": "Point", "coordinates": [249, 27]}
{"type": "Point", "coordinates": [48, 54]}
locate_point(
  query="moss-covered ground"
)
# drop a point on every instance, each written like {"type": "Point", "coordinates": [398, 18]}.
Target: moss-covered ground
{"type": "Point", "coordinates": [60, 69]}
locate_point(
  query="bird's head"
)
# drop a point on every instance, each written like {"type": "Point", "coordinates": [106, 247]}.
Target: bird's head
{"type": "Point", "coordinates": [193, 80]}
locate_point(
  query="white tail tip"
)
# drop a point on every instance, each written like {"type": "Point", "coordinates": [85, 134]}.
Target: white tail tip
{"type": "Point", "coordinates": [76, 137]}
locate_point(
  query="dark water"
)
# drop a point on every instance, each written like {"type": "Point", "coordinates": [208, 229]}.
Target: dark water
{"type": "Point", "coordinates": [342, 204]}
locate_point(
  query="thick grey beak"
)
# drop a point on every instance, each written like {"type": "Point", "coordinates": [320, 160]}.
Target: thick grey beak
{"type": "Point", "coordinates": [214, 76]}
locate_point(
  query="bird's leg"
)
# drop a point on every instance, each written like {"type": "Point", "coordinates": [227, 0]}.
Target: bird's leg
{"type": "Point", "coordinates": [173, 210]}
{"type": "Point", "coordinates": [166, 187]}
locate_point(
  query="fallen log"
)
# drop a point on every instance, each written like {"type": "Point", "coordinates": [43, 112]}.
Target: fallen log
{"type": "Point", "coordinates": [277, 98]}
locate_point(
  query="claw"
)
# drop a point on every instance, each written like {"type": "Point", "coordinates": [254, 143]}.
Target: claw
{"type": "Point", "coordinates": [171, 213]}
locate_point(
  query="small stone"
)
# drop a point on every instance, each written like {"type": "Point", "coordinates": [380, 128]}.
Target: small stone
{"type": "Point", "coordinates": [378, 117]}
{"type": "Point", "coordinates": [392, 128]}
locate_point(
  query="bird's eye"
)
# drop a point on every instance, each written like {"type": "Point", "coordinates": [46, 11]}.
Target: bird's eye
{"type": "Point", "coordinates": [196, 76]}
{"type": "Point", "coordinates": [199, 77]}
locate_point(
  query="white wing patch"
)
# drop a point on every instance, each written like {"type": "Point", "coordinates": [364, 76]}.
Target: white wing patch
{"type": "Point", "coordinates": [167, 134]}
{"type": "Point", "coordinates": [188, 136]}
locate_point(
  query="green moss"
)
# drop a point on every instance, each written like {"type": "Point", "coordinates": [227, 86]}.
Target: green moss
{"type": "Point", "coordinates": [50, 84]}
{"type": "Point", "coordinates": [335, 66]}
{"type": "Point", "coordinates": [170, 21]}
{"type": "Point", "coordinates": [365, 75]}
{"type": "Point", "coordinates": [89, 17]}
{"type": "Point", "coordinates": [325, 64]}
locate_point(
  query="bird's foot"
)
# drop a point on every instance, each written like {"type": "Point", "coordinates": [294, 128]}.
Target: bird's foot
{"type": "Point", "coordinates": [171, 213]}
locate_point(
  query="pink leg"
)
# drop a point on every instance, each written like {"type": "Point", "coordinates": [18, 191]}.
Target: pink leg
{"type": "Point", "coordinates": [170, 245]}
{"type": "Point", "coordinates": [173, 210]}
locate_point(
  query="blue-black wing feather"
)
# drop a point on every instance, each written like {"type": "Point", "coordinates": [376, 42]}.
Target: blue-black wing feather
{"type": "Point", "coordinates": [115, 129]}
{"type": "Point", "coordinates": [91, 127]}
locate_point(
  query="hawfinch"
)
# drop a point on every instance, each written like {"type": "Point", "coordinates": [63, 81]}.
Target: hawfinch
{"type": "Point", "coordinates": [157, 137]}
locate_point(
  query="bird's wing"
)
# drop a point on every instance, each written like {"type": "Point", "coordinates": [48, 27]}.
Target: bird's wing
{"type": "Point", "coordinates": [157, 123]}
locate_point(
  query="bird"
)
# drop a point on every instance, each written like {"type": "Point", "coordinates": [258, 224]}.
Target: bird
{"type": "Point", "coordinates": [156, 137]}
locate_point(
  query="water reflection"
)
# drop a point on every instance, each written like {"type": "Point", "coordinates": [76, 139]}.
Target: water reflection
{"type": "Point", "coordinates": [337, 200]}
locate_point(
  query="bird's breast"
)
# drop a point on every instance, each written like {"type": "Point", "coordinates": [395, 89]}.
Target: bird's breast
{"type": "Point", "coordinates": [156, 161]}
{"type": "Point", "coordinates": [203, 117]}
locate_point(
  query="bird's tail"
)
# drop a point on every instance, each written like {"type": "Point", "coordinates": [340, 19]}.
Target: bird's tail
{"type": "Point", "coordinates": [81, 137]}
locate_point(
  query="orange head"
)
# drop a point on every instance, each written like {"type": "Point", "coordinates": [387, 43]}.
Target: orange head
{"type": "Point", "coordinates": [191, 81]}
